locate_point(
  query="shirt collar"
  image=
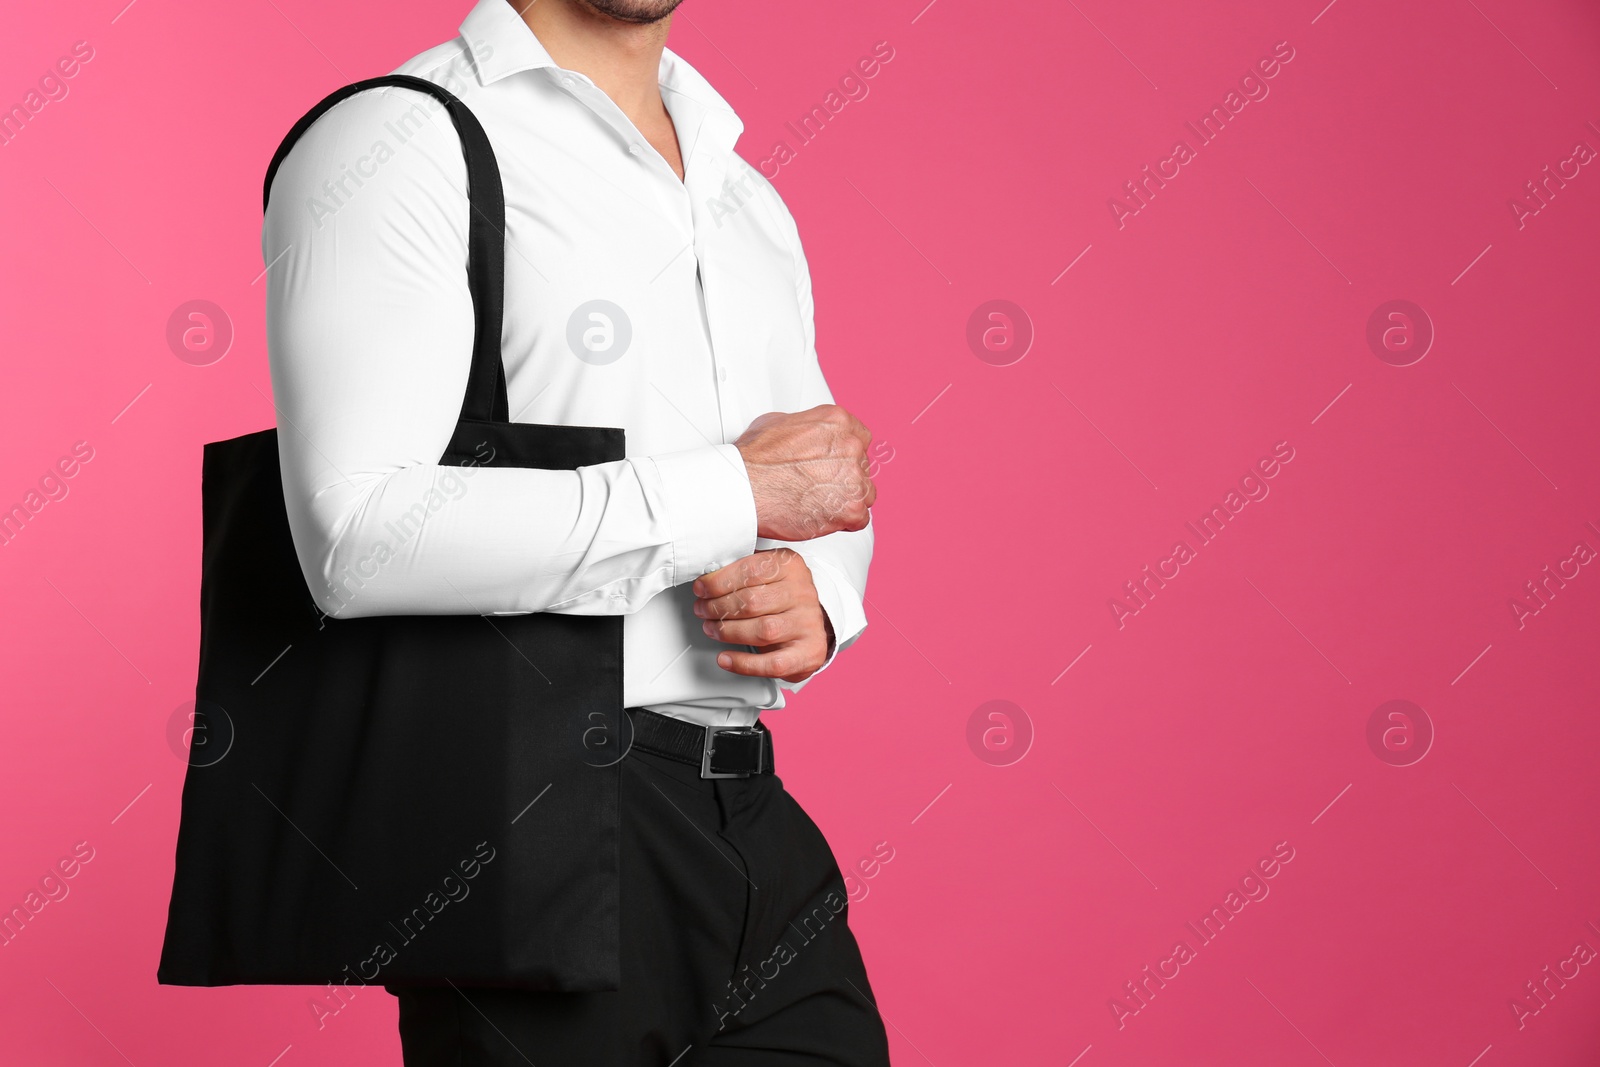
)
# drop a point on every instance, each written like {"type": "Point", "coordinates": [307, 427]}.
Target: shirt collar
{"type": "Point", "coordinates": [501, 45]}
{"type": "Point", "coordinates": [500, 42]}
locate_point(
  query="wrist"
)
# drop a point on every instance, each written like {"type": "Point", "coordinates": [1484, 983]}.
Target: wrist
{"type": "Point", "coordinates": [758, 477]}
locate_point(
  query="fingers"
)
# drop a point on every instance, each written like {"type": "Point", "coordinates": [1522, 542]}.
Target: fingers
{"type": "Point", "coordinates": [841, 503]}
{"type": "Point", "coordinates": [862, 492]}
{"type": "Point", "coordinates": [748, 603]}
{"type": "Point", "coordinates": [760, 631]}
{"type": "Point", "coordinates": [792, 662]}
{"type": "Point", "coordinates": [854, 435]}
{"type": "Point", "coordinates": [762, 568]}
{"type": "Point", "coordinates": [777, 612]}
{"type": "Point", "coordinates": [843, 419]}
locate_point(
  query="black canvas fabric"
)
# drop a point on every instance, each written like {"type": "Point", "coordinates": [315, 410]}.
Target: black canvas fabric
{"type": "Point", "coordinates": [400, 799]}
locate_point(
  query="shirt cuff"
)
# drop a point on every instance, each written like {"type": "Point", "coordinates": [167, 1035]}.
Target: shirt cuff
{"type": "Point", "coordinates": [710, 508]}
{"type": "Point", "coordinates": [842, 604]}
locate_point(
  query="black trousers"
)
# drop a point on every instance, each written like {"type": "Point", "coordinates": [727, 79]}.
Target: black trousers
{"type": "Point", "coordinates": [735, 948]}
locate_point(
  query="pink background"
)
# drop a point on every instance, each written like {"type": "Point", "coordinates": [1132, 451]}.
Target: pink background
{"type": "Point", "coordinates": [1230, 714]}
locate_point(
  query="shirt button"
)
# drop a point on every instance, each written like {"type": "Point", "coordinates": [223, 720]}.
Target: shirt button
{"type": "Point", "coordinates": [635, 149]}
{"type": "Point", "coordinates": [722, 374]}
{"type": "Point", "coordinates": [568, 80]}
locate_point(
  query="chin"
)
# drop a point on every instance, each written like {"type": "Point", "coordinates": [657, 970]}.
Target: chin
{"type": "Point", "coordinates": [639, 11]}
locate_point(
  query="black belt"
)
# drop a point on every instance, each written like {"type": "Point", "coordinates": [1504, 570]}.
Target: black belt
{"type": "Point", "coordinates": [719, 751]}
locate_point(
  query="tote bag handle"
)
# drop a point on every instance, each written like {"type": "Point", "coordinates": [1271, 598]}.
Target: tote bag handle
{"type": "Point", "coordinates": [485, 399]}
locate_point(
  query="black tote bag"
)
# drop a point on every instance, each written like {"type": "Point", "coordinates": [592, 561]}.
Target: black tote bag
{"type": "Point", "coordinates": [400, 799]}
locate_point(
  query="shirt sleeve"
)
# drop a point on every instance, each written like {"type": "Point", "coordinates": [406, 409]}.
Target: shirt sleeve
{"type": "Point", "coordinates": [838, 561]}
{"type": "Point", "coordinates": [369, 332]}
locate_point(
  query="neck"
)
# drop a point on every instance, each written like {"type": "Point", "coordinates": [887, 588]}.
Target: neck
{"type": "Point", "coordinates": [622, 58]}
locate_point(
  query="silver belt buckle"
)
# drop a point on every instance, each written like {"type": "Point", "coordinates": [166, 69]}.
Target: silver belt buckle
{"type": "Point", "coordinates": [710, 745]}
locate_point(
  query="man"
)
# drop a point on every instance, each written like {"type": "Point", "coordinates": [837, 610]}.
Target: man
{"type": "Point", "coordinates": [655, 282]}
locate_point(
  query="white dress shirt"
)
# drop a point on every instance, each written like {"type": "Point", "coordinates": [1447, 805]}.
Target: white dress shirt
{"type": "Point", "coordinates": [706, 324]}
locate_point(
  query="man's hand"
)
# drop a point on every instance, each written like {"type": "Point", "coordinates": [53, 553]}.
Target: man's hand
{"type": "Point", "coordinates": [766, 600]}
{"type": "Point", "coordinates": [808, 472]}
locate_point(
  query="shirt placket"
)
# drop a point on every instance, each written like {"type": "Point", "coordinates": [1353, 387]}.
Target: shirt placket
{"type": "Point", "coordinates": [703, 171]}
{"type": "Point", "coordinates": [704, 187]}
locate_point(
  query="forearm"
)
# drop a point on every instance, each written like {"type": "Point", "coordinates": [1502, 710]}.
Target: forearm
{"type": "Point", "coordinates": [601, 540]}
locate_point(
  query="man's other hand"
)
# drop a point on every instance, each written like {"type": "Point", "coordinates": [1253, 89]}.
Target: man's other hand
{"type": "Point", "coordinates": [808, 471]}
{"type": "Point", "coordinates": [766, 600]}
